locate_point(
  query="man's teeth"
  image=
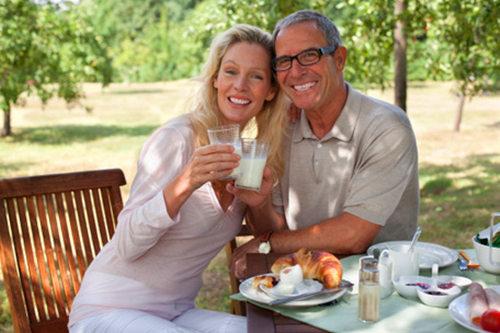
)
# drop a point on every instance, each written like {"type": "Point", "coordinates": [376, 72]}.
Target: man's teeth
{"type": "Point", "coordinates": [304, 86]}
{"type": "Point", "coordinates": [239, 101]}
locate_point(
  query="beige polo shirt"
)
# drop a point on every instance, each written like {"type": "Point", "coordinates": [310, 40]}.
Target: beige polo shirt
{"type": "Point", "coordinates": [366, 165]}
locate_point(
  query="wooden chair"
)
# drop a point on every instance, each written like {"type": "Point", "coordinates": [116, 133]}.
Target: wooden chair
{"type": "Point", "coordinates": [51, 227]}
{"type": "Point", "coordinates": [236, 306]}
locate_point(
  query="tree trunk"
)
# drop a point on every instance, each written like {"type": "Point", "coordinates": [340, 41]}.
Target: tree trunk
{"type": "Point", "coordinates": [6, 130]}
{"type": "Point", "coordinates": [400, 56]}
{"type": "Point", "coordinates": [460, 110]}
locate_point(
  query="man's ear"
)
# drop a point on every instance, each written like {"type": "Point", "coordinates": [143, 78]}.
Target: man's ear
{"type": "Point", "coordinates": [271, 94]}
{"type": "Point", "coordinates": [341, 58]}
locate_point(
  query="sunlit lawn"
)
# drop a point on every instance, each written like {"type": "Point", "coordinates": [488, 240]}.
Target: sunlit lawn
{"type": "Point", "coordinates": [459, 172]}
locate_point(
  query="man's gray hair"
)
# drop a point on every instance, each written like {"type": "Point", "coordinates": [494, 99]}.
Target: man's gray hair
{"type": "Point", "coordinates": [330, 31]}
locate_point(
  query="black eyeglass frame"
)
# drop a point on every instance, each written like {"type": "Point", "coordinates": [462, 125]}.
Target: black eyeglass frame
{"type": "Point", "coordinates": [321, 52]}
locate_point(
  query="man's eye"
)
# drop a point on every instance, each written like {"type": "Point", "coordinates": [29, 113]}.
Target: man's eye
{"type": "Point", "coordinates": [282, 61]}
{"type": "Point", "coordinates": [309, 55]}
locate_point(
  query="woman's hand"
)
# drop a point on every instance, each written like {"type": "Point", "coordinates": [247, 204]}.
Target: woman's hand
{"type": "Point", "coordinates": [253, 198]}
{"type": "Point", "coordinates": [207, 163]}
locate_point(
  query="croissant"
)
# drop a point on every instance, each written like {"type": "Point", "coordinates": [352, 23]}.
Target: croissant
{"type": "Point", "coordinates": [265, 280]}
{"type": "Point", "coordinates": [320, 265]}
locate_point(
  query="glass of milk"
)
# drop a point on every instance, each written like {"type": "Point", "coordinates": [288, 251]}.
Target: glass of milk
{"type": "Point", "coordinates": [252, 163]}
{"type": "Point", "coordinates": [227, 134]}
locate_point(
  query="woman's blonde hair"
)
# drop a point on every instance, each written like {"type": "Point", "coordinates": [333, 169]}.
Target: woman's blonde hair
{"type": "Point", "coordinates": [270, 121]}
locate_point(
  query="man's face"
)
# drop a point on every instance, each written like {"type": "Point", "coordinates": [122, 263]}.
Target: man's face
{"type": "Point", "coordinates": [313, 87]}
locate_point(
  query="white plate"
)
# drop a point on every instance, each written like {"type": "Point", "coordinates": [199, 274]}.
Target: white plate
{"type": "Point", "coordinates": [428, 253]}
{"type": "Point", "coordinates": [304, 287]}
{"type": "Point", "coordinates": [249, 292]}
{"type": "Point", "coordinates": [459, 312]}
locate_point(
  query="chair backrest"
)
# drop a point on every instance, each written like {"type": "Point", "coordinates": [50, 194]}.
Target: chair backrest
{"type": "Point", "coordinates": [236, 306]}
{"type": "Point", "coordinates": [51, 227]}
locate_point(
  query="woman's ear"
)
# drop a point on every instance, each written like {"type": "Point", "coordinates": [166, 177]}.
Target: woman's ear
{"type": "Point", "coordinates": [216, 84]}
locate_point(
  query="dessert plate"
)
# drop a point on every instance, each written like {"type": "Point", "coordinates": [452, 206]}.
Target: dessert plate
{"type": "Point", "coordinates": [428, 253]}
{"type": "Point", "coordinates": [459, 311]}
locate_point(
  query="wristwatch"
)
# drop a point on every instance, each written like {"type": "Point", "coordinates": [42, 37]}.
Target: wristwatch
{"type": "Point", "coordinates": [265, 244]}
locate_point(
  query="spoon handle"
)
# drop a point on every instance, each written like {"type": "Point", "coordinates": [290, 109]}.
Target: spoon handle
{"type": "Point", "coordinates": [416, 235]}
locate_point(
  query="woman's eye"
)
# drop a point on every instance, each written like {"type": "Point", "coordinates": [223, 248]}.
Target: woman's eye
{"type": "Point", "coordinates": [230, 71]}
{"type": "Point", "coordinates": [258, 77]}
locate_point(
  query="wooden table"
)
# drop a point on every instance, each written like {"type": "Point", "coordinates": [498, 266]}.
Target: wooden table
{"type": "Point", "coordinates": [260, 320]}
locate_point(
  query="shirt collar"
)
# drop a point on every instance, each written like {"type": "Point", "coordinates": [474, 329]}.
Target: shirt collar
{"type": "Point", "coordinates": [343, 128]}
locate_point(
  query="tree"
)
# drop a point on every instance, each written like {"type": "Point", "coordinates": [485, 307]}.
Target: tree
{"type": "Point", "coordinates": [378, 35]}
{"type": "Point", "coordinates": [467, 33]}
{"type": "Point", "coordinates": [46, 51]}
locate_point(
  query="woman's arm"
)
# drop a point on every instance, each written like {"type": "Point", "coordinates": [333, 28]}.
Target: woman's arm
{"type": "Point", "coordinates": [168, 172]}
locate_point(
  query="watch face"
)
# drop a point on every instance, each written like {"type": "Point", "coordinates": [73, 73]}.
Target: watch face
{"type": "Point", "coordinates": [265, 247]}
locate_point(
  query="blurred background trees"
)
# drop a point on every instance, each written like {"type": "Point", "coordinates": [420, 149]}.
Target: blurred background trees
{"type": "Point", "coordinates": [47, 50]}
{"type": "Point", "coordinates": [158, 40]}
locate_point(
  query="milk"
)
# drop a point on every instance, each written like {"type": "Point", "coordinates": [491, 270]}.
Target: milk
{"type": "Point", "coordinates": [251, 171]}
{"type": "Point", "coordinates": [236, 171]}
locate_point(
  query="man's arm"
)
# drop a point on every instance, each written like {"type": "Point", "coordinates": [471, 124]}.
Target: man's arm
{"type": "Point", "coordinates": [344, 234]}
{"type": "Point", "coordinates": [265, 218]}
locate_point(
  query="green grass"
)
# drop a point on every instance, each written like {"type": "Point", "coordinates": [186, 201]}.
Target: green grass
{"type": "Point", "coordinates": [459, 172]}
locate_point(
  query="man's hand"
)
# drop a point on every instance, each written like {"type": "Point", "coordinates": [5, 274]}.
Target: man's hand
{"type": "Point", "coordinates": [253, 198]}
{"type": "Point", "coordinates": [238, 261]}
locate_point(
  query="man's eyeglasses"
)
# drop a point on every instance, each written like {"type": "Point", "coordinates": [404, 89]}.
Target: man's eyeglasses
{"type": "Point", "coordinates": [305, 58]}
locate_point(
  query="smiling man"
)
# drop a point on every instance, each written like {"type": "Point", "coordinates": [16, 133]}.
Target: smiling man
{"type": "Point", "coordinates": [351, 173]}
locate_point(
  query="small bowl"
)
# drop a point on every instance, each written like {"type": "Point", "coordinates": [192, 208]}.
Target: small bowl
{"type": "Point", "coordinates": [483, 256]}
{"type": "Point", "coordinates": [438, 297]}
{"type": "Point", "coordinates": [407, 286]}
{"type": "Point", "coordinates": [459, 281]}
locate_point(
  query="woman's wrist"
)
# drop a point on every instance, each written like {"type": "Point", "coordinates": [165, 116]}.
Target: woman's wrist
{"type": "Point", "coordinates": [175, 194]}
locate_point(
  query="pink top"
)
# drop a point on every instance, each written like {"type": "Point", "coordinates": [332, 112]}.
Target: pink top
{"type": "Point", "coordinates": [154, 262]}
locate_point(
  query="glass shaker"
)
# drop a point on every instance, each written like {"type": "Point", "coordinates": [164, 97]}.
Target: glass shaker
{"type": "Point", "coordinates": [369, 290]}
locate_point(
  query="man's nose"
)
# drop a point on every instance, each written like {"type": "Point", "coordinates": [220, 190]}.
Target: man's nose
{"type": "Point", "coordinates": [297, 68]}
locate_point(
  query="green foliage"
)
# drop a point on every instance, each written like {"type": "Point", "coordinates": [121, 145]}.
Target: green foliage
{"type": "Point", "coordinates": [165, 40]}
{"type": "Point", "coordinates": [367, 31]}
{"type": "Point", "coordinates": [467, 31]}
{"type": "Point", "coordinates": [46, 51]}
{"type": "Point", "coordinates": [153, 40]}
{"type": "Point", "coordinates": [5, 317]}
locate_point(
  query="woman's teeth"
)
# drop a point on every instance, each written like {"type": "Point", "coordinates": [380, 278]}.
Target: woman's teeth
{"type": "Point", "coordinates": [239, 101]}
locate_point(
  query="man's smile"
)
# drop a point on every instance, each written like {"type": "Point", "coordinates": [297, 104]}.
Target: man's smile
{"type": "Point", "coordinates": [304, 87]}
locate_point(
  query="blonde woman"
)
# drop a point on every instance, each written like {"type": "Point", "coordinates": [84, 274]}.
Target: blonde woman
{"type": "Point", "coordinates": [179, 214]}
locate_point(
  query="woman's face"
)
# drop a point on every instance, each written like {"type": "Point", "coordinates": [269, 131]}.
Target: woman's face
{"type": "Point", "coordinates": [243, 82]}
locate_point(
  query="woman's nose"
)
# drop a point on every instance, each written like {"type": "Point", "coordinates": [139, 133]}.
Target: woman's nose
{"type": "Point", "coordinates": [241, 83]}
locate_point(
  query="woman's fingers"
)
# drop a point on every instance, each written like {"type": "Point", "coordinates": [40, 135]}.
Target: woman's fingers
{"type": "Point", "coordinates": [212, 149]}
{"type": "Point", "coordinates": [212, 162]}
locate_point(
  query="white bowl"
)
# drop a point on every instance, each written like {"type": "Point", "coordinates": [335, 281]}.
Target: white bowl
{"type": "Point", "coordinates": [483, 256]}
{"type": "Point", "coordinates": [410, 291]}
{"type": "Point", "coordinates": [438, 297]}
{"type": "Point", "coordinates": [459, 281]}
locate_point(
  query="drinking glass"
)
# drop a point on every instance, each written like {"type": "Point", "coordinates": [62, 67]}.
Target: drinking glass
{"type": "Point", "coordinates": [227, 134]}
{"type": "Point", "coordinates": [252, 163]}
